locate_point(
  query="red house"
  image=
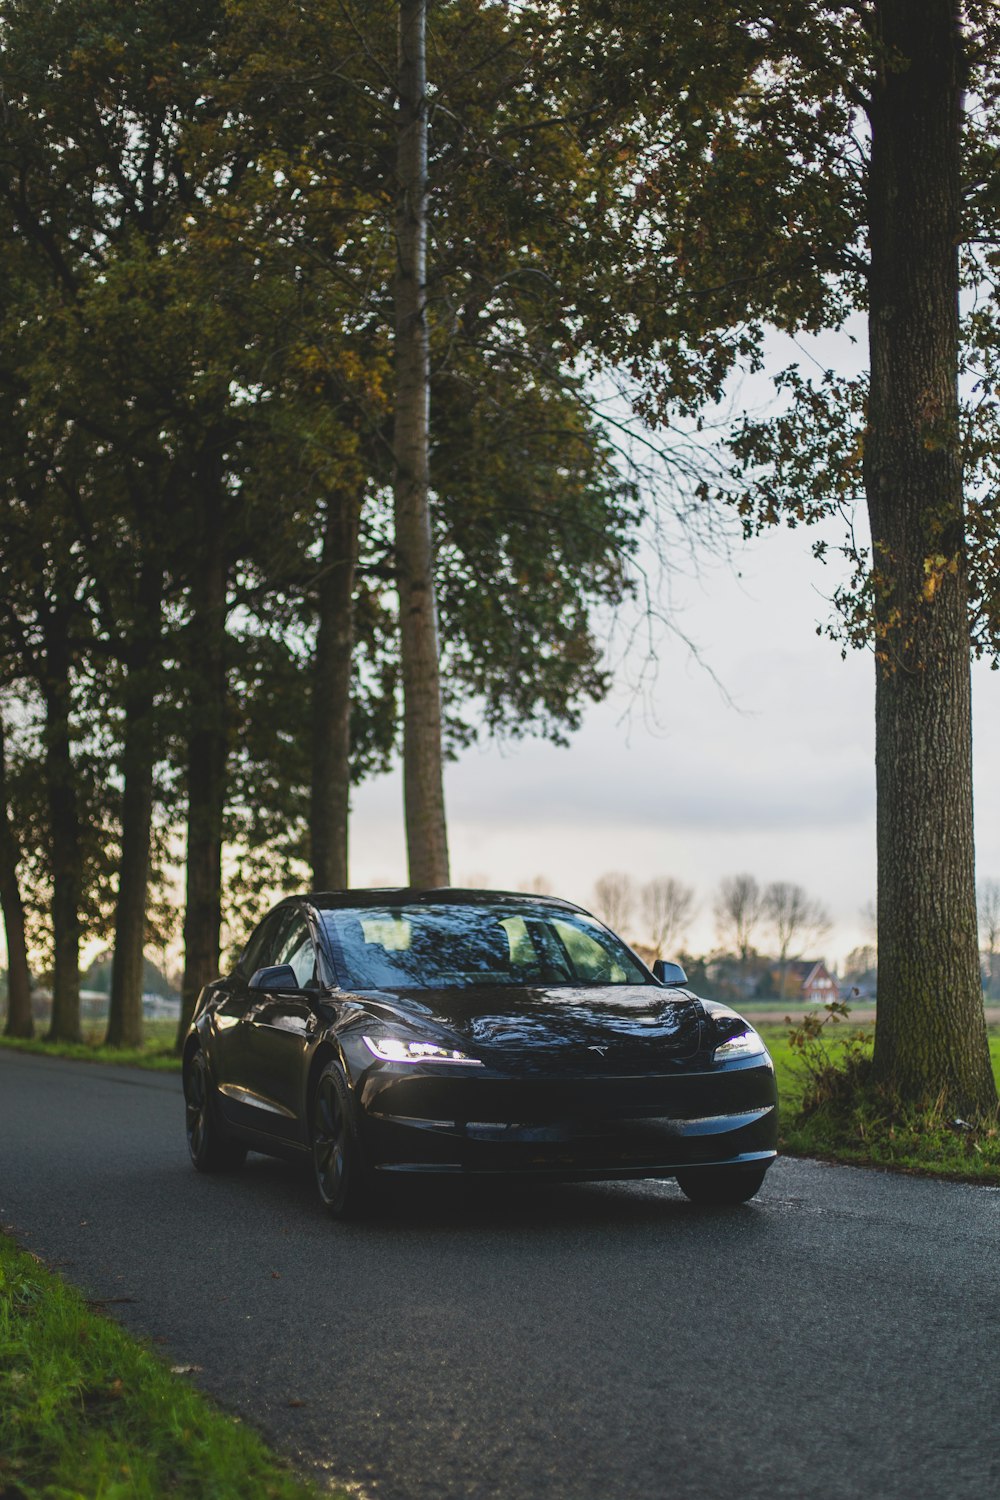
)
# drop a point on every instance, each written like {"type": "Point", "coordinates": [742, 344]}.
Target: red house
{"type": "Point", "coordinates": [809, 980]}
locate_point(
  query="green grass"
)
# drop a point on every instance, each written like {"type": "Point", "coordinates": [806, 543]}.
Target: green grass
{"type": "Point", "coordinates": [86, 1413]}
{"type": "Point", "coordinates": [156, 1052]}
{"type": "Point", "coordinates": [867, 1133]}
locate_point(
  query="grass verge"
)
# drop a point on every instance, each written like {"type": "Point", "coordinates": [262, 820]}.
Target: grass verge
{"type": "Point", "coordinates": [156, 1052]}
{"type": "Point", "coordinates": [859, 1126]}
{"type": "Point", "coordinates": [87, 1413]}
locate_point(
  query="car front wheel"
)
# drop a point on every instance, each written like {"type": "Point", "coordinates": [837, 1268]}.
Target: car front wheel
{"type": "Point", "coordinates": [211, 1149]}
{"type": "Point", "coordinates": [722, 1184]}
{"type": "Point", "coordinates": [342, 1180]}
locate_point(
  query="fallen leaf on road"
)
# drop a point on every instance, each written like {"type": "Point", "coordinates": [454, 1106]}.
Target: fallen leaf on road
{"type": "Point", "coordinates": [184, 1369]}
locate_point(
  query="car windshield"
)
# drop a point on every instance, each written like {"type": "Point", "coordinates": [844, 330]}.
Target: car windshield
{"type": "Point", "coordinates": [443, 946]}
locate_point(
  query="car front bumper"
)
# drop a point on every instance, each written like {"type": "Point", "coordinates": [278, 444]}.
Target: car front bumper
{"type": "Point", "coordinates": [596, 1127]}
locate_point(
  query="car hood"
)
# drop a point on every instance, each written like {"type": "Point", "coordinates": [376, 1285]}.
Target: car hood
{"type": "Point", "coordinates": [594, 1025]}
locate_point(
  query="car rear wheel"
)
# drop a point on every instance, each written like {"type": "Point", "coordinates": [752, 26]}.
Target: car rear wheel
{"type": "Point", "coordinates": [211, 1149]}
{"type": "Point", "coordinates": [342, 1179]}
{"type": "Point", "coordinates": [722, 1184]}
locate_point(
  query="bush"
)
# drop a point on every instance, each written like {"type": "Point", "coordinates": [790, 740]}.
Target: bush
{"type": "Point", "coordinates": [843, 1114]}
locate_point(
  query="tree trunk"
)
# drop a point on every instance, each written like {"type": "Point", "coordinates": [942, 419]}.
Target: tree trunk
{"type": "Point", "coordinates": [331, 748]}
{"type": "Point", "coordinates": [206, 773]}
{"type": "Point", "coordinates": [423, 785]}
{"type": "Point", "coordinates": [138, 761]}
{"type": "Point", "coordinates": [930, 1038]}
{"type": "Point", "coordinates": [60, 776]}
{"type": "Point", "coordinates": [20, 1021]}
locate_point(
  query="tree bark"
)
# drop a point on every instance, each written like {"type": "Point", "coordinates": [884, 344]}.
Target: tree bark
{"type": "Point", "coordinates": [423, 783]}
{"type": "Point", "coordinates": [64, 822]}
{"type": "Point", "coordinates": [138, 761]}
{"type": "Point", "coordinates": [331, 748]}
{"type": "Point", "coordinates": [206, 772]}
{"type": "Point", "coordinates": [20, 1021]}
{"type": "Point", "coordinates": [930, 1044]}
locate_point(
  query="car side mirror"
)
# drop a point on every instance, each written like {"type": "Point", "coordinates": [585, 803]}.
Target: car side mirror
{"type": "Point", "coordinates": [276, 979]}
{"type": "Point", "coordinates": [669, 974]}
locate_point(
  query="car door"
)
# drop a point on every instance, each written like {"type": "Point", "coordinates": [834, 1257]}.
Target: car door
{"type": "Point", "coordinates": [232, 1053]}
{"type": "Point", "coordinates": [278, 1029]}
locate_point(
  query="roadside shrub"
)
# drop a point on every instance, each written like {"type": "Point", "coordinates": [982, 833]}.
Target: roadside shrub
{"type": "Point", "coordinates": [833, 1066]}
{"type": "Point", "coordinates": [843, 1114]}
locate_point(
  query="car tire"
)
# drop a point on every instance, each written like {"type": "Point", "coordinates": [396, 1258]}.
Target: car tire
{"type": "Point", "coordinates": [343, 1180]}
{"type": "Point", "coordinates": [212, 1150]}
{"type": "Point", "coordinates": [722, 1184]}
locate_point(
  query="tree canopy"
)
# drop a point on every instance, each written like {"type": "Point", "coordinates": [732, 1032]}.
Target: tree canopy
{"type": "Point", "coordinates": [196, 204]}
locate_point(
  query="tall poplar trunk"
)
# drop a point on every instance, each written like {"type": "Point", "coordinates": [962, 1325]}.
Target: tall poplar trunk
{"type": "Point", "coordinates": [20, 1021]}
{"type": "Point", "coordinates": [64, 823]}
{"type": "Point", "coordinates": [930, 1037]}
{"type": "Point", "coordinates": [206, 771]}
{"type": "Point", "coordinates": [423, 783]}
{"type": "Point", "coordinates": [138, 761]}
{"type": "Point", "coordinates": [331, 708]}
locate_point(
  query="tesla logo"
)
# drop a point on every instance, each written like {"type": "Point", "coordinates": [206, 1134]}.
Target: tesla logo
{"type": "Point", "coordinates": [599, 1050]}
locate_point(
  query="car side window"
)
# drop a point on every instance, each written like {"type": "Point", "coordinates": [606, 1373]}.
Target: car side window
{"type": "Point", "coordinates": [255, 953]}
{"type": "Point", "coordinates": [296, 949]}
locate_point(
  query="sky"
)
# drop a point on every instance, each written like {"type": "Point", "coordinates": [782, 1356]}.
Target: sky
{"type": "Point", "coordinates": [757, 755]}
{"type": "Point", "coordinates": [750, 747]}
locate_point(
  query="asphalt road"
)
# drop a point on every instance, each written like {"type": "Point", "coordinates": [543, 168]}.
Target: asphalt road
{"type": "Point", "coordinates": [840, 1336]}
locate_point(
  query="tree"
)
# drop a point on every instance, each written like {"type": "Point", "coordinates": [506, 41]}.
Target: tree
{"type": "Point", "coordinates": [738, 910]}
{"type": "Point", "coordinates": [93, 185]}
{"type": "Point", "coordinates": [423, 785]}
{"type": "Point", "coordinates": [667, 907]}
{"type": "Point", "coordinates": [196, 467]}
{"type": "Point", "coordinates": [614, 899]}
{"type": "Point", "coordinates": [861, 960]}
{"type": "Point", "coordinates": [531, 522]}
{"type": "Point", "coordinates": [796, 921]}
{"type": "Point", "coordinates": [989, 927]}
{"type": "Point", "coordinates": [931, 1029]}
{"type": "Point", "coordinates": [20, 1021]}
{"type": "Point", "coordinates": [807, 164]}
{"type": "Point", "coordinates": [331, 692]}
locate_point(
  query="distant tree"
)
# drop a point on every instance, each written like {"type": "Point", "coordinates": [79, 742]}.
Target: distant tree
{"type": "Point", "coordinates": [860, 971]}
{"type": "Point", "coordinates": [796, 920]}
{"type": "Point", "coordinates": [989, 927]}
{"type": "Point", "coordinates": [614, 899]}
{"type": "Point", "coordinates": [738, 910]}
{"type": "Point", "coordinates": [861, 960]}
{"type": "Point", "coordinates": [538, 885]}
{"type": "Point", "coordinates": [667, 907]}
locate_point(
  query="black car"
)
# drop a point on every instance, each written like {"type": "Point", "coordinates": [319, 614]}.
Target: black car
{"type": "Point", "coordinates": [385, 1032]}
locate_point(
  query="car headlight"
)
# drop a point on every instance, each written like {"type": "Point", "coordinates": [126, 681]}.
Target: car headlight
{"type": "Point", "coordinates": [396, 1049]}
{"type": "Point", "coordinates": [747, 1044]}
{"type": "Point", "coordinates": [741, 1041]}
